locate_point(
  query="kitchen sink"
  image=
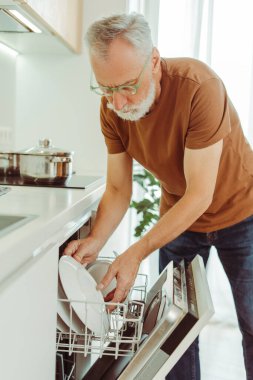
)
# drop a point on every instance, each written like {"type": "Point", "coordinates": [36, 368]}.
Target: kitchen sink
{"type": "Point", "coordinates": [9, 222]}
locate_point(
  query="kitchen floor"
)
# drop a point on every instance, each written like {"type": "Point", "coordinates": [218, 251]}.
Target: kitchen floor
{"type": "Point", "coordinates": [220, 341]}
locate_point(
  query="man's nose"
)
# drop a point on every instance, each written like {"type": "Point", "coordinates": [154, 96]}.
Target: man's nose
{"type": "Point", "coordinates": [118, 100]}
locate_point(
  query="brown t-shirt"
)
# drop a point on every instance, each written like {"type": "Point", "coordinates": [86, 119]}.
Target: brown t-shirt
{"type": "Point", "coordinates": [193, 111]}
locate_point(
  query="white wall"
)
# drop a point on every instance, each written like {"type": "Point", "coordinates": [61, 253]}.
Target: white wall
{"type": "Point", "coordinates": [7, 99]}
{"type": "Point", "coordinates": [54, 100]}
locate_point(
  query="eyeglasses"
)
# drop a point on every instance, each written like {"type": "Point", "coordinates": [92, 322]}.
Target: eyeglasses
{"type": "Point", "coordinates": [124, 89]}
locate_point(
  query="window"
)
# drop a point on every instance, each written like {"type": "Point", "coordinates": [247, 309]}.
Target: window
{"type": "Point", "coordinates": [220, 33]}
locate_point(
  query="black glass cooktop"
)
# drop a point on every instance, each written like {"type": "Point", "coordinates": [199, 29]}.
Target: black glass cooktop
{"type": "Point", "coordinates": [74, 182]}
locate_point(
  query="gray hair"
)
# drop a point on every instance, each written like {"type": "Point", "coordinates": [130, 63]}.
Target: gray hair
{"type": "Point", "coordinates": [132, 28]}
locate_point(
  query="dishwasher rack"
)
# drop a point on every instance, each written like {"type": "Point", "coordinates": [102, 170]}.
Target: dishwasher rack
{"type": "Point", "coordinates": [125, 326]}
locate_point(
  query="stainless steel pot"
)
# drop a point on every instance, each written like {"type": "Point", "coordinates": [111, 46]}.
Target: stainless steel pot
{"type": "Point", "coordinates": [9, 164]}
{"type": "Point", "coordinates": [45, 163]}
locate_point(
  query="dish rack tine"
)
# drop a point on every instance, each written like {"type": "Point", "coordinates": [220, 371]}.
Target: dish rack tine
{"type": "Point", "coordinates": [59, 338]}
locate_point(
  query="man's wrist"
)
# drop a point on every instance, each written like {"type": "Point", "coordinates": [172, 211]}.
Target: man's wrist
{"type": "Point", "coordinates": [141, 249]}
{"type": "Point", "coordinates": [98, 242]}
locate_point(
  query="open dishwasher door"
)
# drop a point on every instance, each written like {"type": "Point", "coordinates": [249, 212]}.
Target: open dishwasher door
{"type": "Point", "coordinates": [178, 306]}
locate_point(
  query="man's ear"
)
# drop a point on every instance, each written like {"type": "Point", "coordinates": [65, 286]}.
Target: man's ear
{"type": "Point", "coordinates": [155, 60]}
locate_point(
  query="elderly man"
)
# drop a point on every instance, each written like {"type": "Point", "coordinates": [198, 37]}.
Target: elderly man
{"type": "Point", "coordinates": [175, 118]}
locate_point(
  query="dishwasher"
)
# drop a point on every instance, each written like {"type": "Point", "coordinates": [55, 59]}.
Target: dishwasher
{"type": "Point", "coordinates": [148, 333]}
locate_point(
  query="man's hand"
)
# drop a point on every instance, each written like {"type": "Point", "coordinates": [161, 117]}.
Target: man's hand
{"type": "Point", "coordinates": [85, 251]}
{"type": "Point", "coordinates": [125, 268]}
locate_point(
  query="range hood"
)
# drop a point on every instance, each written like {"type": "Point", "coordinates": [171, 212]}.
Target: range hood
{"type": "Point", "coordinates": [14, 19]}
{"type": "Point", "coordinates": [24, 30]}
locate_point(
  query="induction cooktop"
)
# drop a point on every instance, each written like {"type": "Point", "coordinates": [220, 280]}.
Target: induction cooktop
{"type": "Point", "coordinates": [74, 182]}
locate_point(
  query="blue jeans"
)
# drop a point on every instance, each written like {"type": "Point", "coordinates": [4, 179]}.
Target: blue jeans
{"type": "Point", "coordinates": [235, 249]}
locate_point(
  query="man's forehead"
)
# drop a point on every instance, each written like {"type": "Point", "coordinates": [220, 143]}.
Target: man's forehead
{"type": "Point", "coordinates": [116, 70]}
{"type": "Point", "coordinates": [119, 51]}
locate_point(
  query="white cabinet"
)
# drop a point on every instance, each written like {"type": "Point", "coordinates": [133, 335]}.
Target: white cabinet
{"type": "Point", "coordinates": [28, 320]}
{"type": "Point", "coordinates": [64, 18]}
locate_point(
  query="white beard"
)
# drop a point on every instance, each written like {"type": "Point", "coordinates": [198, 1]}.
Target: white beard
{"type": "Point", "coordinates": [136, 111]}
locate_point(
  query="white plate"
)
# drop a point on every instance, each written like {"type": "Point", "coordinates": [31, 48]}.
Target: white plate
{"type": "Point", "coordinates": [79, 285]}
{"type": "Point", "coordinates": [63, 309]}
{"type": "Point", "coordinates": [98, 270]}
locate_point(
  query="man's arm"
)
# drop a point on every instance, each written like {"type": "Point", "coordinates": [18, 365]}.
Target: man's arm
{"type": "Point", "coordinates": [200, 169]}
{"type": "Point", "coordinates": [112, 207]}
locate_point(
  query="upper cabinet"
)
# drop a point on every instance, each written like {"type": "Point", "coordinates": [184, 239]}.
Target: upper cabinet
{"type": "Point", "coordinates": [58, 20]}
{"type": "Point", "coordinates": [62, 17]}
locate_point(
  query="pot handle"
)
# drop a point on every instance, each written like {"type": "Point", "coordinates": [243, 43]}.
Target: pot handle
{"type": "Point", "coordinates": [60, 159]}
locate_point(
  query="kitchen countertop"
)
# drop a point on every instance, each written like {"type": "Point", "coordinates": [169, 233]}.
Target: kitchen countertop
{"type": "Point", "coordinates": [56, 213]}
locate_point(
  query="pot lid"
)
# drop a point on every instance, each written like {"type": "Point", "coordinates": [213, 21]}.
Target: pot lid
{"type": "Point", "coordinates": [45, 147]}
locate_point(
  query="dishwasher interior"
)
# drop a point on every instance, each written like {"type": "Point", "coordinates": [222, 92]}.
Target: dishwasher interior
{"type": "Point", "coordinates": [147, 334]}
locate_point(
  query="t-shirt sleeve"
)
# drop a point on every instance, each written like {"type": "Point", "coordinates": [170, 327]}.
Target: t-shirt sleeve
{"type": "Point", "coordinates": [209, 119]}
{"type": "Point", "coordinates": [109, 129]}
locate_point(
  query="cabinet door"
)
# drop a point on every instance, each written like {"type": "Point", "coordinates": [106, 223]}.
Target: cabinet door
{"type": "Point", "coordinates": [63, 17]}
{"type": "Point", "coordinates": [28, 320]}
